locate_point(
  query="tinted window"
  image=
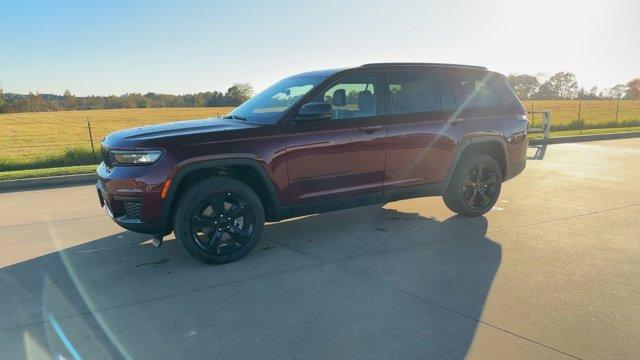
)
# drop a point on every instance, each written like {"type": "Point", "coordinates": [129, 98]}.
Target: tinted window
{"type": "Point", "coordinates": [414, 93]}
{"type": "Point", "coordinates": [474, 91]}
{"type": "Point", "coordinates": [446, 94]}
{"type": "Point", "coordinates": [352, 97]}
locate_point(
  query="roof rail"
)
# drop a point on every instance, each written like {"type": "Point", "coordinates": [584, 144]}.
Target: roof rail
{"type": "Point", "coordinates": [424, 64]}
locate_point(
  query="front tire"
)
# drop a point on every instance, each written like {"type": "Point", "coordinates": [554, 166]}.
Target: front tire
{"type": "Point", "coordinates": [219, 220]}
{"type": "Point", "coordinates": [474, 187]}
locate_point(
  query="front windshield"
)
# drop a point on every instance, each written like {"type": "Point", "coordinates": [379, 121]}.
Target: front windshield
{"type": "Point", "coordinates": [268, 105]}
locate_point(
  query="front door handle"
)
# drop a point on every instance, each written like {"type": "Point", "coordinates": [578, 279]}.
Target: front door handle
{"type": "Point", "coordinates": [370, 129]}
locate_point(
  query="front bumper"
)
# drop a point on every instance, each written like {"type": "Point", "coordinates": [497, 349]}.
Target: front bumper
{"type": "Point", "coordinates": [132, 199]}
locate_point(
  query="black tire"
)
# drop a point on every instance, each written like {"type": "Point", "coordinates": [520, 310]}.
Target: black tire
{"type": "Point", "coordinates": [211, 232]}
{"type": "Point", "coordinates": [476, 178]}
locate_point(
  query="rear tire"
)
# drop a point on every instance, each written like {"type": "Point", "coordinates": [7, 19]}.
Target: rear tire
{"type": "Point", "coordinates": [475, 186]}
{"type": "Point", "coordinates": [219, 220]}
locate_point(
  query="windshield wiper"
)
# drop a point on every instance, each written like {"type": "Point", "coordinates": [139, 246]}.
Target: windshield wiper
{"type": "Point", "coordinates": [236, 117]}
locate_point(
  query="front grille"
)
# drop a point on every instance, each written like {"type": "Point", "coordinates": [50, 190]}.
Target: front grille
{"type": "Point", "coordinates": [108, 158]}
{"type": "Point", "coordinates": [133, 209]}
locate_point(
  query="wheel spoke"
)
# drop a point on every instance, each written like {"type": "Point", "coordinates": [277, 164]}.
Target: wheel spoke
{"type": "Point", "coordinates": [237, 210]}
{"type": "Point", "coordinates": [480, 171]}
{"type": "Point", "coordinates": [216, 202]}
{"type": "Point", "coordinates": [214, 239]}
{"type": "Point", "coordinates": [203, 222]}
{"type": "Point", "coordinates": [490, 179]}
{"type": "Point", "coordinates": [473, 197]}
{"type": "Point", "coordinates": [484, 199]}
{"type": "Point", "coordinates": [468, 182]}
{"type": "Point", "coordinates": [238, 234]}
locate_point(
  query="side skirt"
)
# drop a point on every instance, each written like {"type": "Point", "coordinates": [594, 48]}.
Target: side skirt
{"type": "Point", "coordinates": [316, 207]}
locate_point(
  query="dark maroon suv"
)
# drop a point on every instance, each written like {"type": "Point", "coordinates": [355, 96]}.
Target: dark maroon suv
{"type": "Point", "coordinates": [316, 142]}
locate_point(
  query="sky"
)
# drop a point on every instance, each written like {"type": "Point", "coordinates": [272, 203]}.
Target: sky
{"type": "Point", "coordinates": [178, 47]}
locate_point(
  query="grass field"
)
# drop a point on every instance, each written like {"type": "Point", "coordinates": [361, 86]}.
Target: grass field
{"type": "Point", "coordinates": [593, 113]}
{"type": "Point", "coordinates": [40, 139]}
{"type": "Point", "coordinates": [58, 139]}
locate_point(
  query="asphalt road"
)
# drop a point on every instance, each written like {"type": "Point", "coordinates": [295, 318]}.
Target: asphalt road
{"type": "Point", "coordinates": [553, 271]}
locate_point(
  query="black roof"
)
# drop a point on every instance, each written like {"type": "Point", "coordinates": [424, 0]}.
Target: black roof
{"type": "Point", "coordinates": [329, 72]}
{"type": "Point", "coordinates": [401, 64]}
{"type": "Point", "coordinates": [324, 72]}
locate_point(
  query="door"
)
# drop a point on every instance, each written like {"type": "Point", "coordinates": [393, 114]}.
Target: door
{"type": "Point", "coordinates": [421, 128]}
{"type": "Point", "coordinates": [342, 159]}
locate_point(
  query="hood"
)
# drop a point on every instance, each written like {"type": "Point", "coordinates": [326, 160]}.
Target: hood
{"type": "Point", "coordinates": [135, 136]}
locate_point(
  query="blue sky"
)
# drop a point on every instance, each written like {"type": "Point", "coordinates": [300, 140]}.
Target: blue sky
{"type": "Point", "coordinates": [114, 47]}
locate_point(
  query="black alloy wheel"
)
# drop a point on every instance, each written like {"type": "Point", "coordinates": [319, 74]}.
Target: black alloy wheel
{"type": "Point", "coordinates": [475, 185]}
{"type": "Point", "coordinates": [218, 220]}
{"type": "Point", "coordinates": [222, 223]}
{"type": "Point", "coordinates": [479, 186]}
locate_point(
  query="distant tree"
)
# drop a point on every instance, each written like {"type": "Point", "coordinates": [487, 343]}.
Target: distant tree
{"type": "Point", "coordinates": [69, 102]}
{"type": "Point", "coordinates": [129, 101]}
{"type": "Point", "coordinates": [634, 89]}
{"type": "Point", "coordinates": [234, 96]}
{"type": "Point", "coordinates": [2, 103]}
{"type": "Point", "coordinates": [239, 93]}
{"type": "Point", "coordinates": [143, 102]}
{"type": "Point", "coordinates": [524, 85]}
{"type": "Point", "coordinates": [617, 92]}
{"type": "Point", "coordinates": [562, 85]}
{"type": "Point", "coordinates": [215, 98]}
{"type": "Point", "coordinates": [198, 100]}
{"type": "Point", "coordinates": [591, 94]}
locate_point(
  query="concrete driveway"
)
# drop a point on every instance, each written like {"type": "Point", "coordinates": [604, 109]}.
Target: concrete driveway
{"type": "Point", "coordinates": [553, 271]}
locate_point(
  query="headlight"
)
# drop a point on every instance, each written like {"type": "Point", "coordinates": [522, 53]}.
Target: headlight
{"type": "Point", "coordinates": [136, 157]}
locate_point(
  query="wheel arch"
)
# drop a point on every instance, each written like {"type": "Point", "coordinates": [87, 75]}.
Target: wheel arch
{"type": "Point", "coordinates": [492, 145]}
{"type": "Point", "coordinates": [246, 170]}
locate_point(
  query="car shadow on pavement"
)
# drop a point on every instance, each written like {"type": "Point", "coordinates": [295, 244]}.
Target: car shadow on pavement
{"type": "Point", "coordinates": [446, 267]}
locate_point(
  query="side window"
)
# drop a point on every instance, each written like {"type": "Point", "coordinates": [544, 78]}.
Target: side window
{"type": "Point", "coordinates": [474, 91]}
{"type": "Point", "coordinates": [352, 97]}
{"type": "Point", "coordinates": [446, 94]}
{"type": "Point", "coordinates": [414, 93]}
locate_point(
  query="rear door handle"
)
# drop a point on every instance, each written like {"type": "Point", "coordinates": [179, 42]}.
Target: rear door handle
{"type": "Point", "coordinates": [370, 129]}
{"type": "Point", "coordinates": [455, 121]}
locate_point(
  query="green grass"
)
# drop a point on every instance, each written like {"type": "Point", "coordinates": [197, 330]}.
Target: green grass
{"type": "Point", "coordinates": [586, 132]}
{"type": "Point", "coordinates": [31, 137]}
{"type": "Point", "coordinates": [69, 157]}
{"type": "Point", "coordinates": [26, 174]}
{"type": "Point", "coordinates": [593, 113]}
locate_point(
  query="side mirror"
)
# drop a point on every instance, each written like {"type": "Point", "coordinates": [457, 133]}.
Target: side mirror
{"type": "Point", "coordinates": [315, 111]}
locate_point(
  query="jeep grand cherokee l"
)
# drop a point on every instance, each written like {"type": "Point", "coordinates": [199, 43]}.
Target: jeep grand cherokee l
{"type": "Point", "coordinates": [316, 142]}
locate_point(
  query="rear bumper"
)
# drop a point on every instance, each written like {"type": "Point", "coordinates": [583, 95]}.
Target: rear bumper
{"type": "Point", "coordinates": [514, 170]}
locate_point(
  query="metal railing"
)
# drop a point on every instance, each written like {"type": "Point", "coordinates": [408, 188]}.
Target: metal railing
{"type": "Point", "coordinates": [545, 127]}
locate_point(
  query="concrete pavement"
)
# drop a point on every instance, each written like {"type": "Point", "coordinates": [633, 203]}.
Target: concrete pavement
{"type": "Point", "coordinates": [552, 272]}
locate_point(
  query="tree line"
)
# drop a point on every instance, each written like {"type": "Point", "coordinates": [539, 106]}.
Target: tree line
{"type": "Point", "coordinates": [564, 85]}
{"type": "Point", "coordinates": [13, 103]}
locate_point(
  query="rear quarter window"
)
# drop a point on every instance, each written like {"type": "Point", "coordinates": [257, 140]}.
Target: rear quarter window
{"type": "Point", "coordinates": [414, 93]}
{"type": "Point", "coordinates": [474, 90]}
